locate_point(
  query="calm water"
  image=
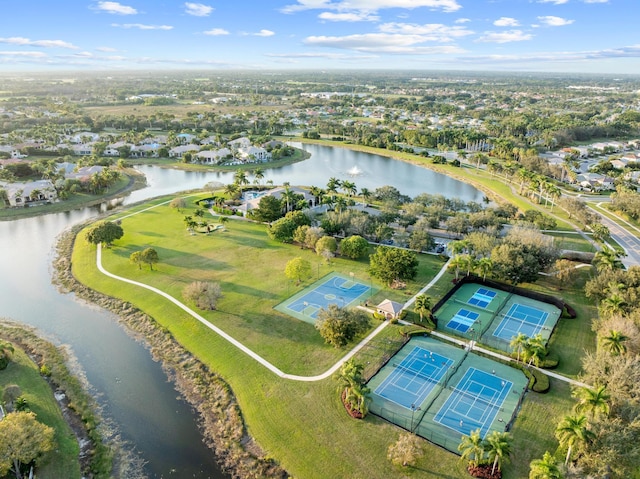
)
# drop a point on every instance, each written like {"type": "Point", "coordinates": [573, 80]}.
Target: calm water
{"type": "Point", "coordinates": [132, 388]}
{"type": "Point", "coordinates": [373, 171]}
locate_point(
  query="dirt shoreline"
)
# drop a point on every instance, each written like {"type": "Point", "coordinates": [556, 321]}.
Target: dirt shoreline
{"type": "Point", "coordinates": [220, 419]}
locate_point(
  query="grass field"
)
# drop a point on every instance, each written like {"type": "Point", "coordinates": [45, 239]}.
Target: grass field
{"type": "Point", "coordinates": [573, 242]}
{"type": "Point", "coordinates": [279, 413]}
{"type": "Point", "coordinates": [63, 460]}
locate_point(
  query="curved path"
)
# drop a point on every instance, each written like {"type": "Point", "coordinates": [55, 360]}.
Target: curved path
{"type": "Point", "coordinates": [244, 348]}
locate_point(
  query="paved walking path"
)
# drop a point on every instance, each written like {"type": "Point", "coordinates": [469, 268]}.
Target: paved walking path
{"type": "Point", "coordinates": [342, 360]}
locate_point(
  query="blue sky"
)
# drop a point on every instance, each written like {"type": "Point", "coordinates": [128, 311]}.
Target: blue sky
{"type": "Point", "coordinates": [591, 36]}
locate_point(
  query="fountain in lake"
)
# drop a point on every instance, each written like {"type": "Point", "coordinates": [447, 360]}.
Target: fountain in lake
{"type": "Point", "coordinates": [354, 171]}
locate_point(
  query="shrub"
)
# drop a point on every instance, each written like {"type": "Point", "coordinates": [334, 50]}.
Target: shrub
{"type": "Point", "coordinates": [10, 393]}
{"type": "Point", "coordinates": [204, 294]}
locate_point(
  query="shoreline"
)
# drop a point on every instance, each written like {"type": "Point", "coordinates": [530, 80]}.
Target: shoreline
{"type": "Point", "coordinates": [220, 418]}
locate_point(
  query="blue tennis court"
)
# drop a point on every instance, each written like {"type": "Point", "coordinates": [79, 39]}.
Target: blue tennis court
{"type": "Point", "coordinates": [521, 319]}
{"type": "Point", "coordinates": [474, 402]}
{"type": "Point", "coordinates": [414, 378]}
{"type": "Point", "coordinates": [335, 290]}
{"type": "Point", "coordinates": [482, 298]}
{"type": "Point", "coordinates": [463, 320]}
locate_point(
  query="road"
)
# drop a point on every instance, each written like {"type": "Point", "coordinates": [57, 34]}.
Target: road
{"type": "Point", "coordinates": [625, 237]}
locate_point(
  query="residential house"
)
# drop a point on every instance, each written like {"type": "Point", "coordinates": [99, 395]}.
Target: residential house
{"type": "Point", "coordinates": [179, 151]}
{"type": "Point", "coordinates": [253, 154]}
{"type": "Point", "coordinates": [24, 194]}
{"type": "Point", "coordinates": [213, 157]}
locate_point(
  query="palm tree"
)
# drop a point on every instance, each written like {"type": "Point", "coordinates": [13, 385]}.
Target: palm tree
{"type": "Point", "coordinates": [614, 342]}
{"type": "Point", "coordinates": [498, 448]}
{"type": "Point", "coordinates": [349, 188]}
{"type": "Point", "coordinates": [545, 468]}
{"type": "Point", "coordinates": [613, 304]}
{"type": "Point", "coordinates": [352, 388]}
{"type": "Point", "coordinates": [593, 402]}
{"type": "Point", "coordinates": [518, 343]}
{"type": "Point", "coordinates": [608, 259]}
{"type": "Point", "coordinates": [457, 263]}
{"type": "Point", "coordinates": [472, 448]}
{"type": "Point", "coordinates": [534, 350]}
{"type": "Point", "coordinates": [573, 431]}
{"type": "Point", "coordinates": [365, 194]}
{"type": "Point", "coordinates": [288, 195]}
{"type": "Point", "coordinates": [484, 266]}
{"type": "Point", "coordinates": [258, 174]}
{"type": "Point", "coordinates": [232, 190]}
{"type": "Point", "coordinates": [422, 305]}
{"type": "Point", "coordinates": [240, 178]}
{"type": "Point", "coordinates": [332, 185]}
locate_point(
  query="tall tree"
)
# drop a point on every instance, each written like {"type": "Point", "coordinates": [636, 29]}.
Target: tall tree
{"type": "Point", "coordinates": [545, 468]}
{"type": "Point", "coordinates": [105, 232]}
{"type": "Point", "coordinates": [22, 439]}
{"type": "Point", "coordinates": [472, 448]}
{"type": "Point", "coordinates": [422, 305]}
{"type": "Point", "coordinates": [393, 264]}
{"type": "Point", "coordinates": [497, 445]}
{"type": "Point", "coordinates": [572, 432]}
{"type": "Point", "coordinates": [593, 402]}
{"type": "Point", "coordinates": [614, 342]}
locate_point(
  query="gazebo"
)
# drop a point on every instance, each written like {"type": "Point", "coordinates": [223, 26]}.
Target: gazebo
{"type": "Point", "coordinates": [390, 309]}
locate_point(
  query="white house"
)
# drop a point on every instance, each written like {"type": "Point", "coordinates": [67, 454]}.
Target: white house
{"type": "Point", "coordinates": [24, 194]}
{"type": "Point", "coordinates": [213, 157]}
{"type": "Point", "coordinates": [179, 151]}
{"type": "Point", "coordinates": [242, 142]}
{"type": "Point", "coordinates": [252, 154]}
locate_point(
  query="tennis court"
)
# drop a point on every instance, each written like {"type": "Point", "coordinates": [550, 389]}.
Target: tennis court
{"type": "Point", "coordinates": [414, 377]}
{"type": "Point", "coordinates": [474, 402]}
{"type": "Point", "coordinates": [463, 320]}
{"type": "Point", "coordinates": [332, 289]}
{"type": "Point", "coordinates": [430, 398]}
{"type": "Point", "coordinates": [521, 319]}
{"type": "Point", "coordinates": [482, 297]}
{"type": "Point", "coordinates": [493, 317]}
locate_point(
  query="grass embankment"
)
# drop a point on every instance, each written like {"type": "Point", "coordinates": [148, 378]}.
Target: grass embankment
{"type": "Point", "coordinates": [301, 424]}
{"type": "Point", "coordinates": [62, 461]}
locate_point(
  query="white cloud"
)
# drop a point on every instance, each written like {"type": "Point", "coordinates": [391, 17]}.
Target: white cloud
{"type": "Point", "coordinates": [116, 8]}
{"type": "Point", "coordinates": [555, 2]}
{"type": "Point", "coordinates": [505, 37]}
{"type": "Point", "coordinates": [371, 5]}
{"type": "Point", "coordinates": [434, 32]}
{"type": "Point", "coordinates": [596, 1]}
{"type": "Point", "coordinates": [106, 49]}
{"type": "Point", "coordinates": [264, 33]}
{"type": "Point", "coordinates": [38, 43]}
{"type": "Point", "coordinates": [348, 17]}
{"type": "Point", "coordinates": [462, 20]}
{"type": "Point", "coordinates": [23, 54]}
{"type": "Point", "coordinates": [552, 21]}
{"type": "Point", "coordinates": [216, 32]}
{"type": "Point", "coordinates": [141, 26]}
{"type": "Point", "coordinates": [198, 9]}
{"type": "Point", "coordinates": [632, 51]}
{"type": "Point", "coordinates": [506, 22]}
{"type": "Point", "coordinates": [381, 43]}
{"type": "Point", "coordinates": [331, 56]}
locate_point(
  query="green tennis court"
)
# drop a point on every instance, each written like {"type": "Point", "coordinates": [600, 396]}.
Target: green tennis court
{"type": "Point", "coordinates": [441, 392]}
{"type": "Point", "coordinates": [493, 317]}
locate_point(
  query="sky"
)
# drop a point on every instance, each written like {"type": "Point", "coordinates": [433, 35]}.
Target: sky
{"type": "Point", "coordinates": [586, 36]}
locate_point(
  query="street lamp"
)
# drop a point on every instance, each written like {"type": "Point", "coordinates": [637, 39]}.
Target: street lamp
{"type": "Point", "coordinates": [413, 411]}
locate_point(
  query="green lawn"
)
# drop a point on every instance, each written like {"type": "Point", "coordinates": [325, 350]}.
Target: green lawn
{"type": "Point", "coordinates": [63, 460]}
{"type": "Point", "coordinates": [278, 413]}
{"type": "Point", "coordinates": [573, 242]}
